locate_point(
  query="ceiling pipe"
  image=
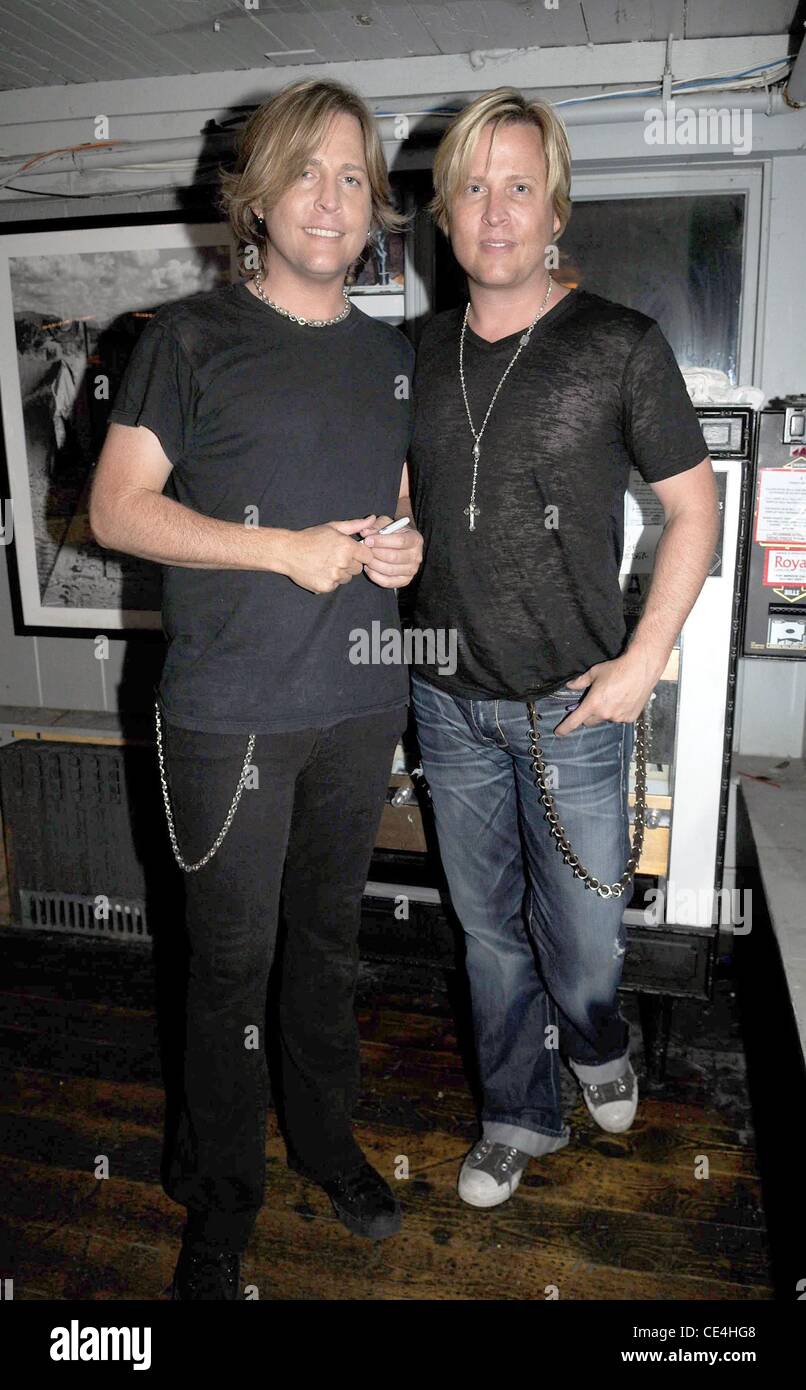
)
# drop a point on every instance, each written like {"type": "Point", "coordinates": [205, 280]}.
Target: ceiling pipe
{"type": "Point", "coordinates": [621, 109]}
{"type": "Point", "coordinates": [217, 145]}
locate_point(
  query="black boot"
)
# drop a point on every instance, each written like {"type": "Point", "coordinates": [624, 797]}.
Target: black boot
{"type": "Point", "coordinates": [205, 1273]}
{"type": "Point", "coordinates": [361, 1199]}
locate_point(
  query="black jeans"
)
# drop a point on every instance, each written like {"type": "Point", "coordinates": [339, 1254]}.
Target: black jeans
{"type": "Point", "coordinates": [301, 841]}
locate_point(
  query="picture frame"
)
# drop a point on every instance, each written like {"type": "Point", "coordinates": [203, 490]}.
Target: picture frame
{"type": "Point", "coordinates": [72, 304]}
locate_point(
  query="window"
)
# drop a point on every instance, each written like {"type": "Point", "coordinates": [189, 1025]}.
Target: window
{"type": "Point", "coordinates": [678, 259]}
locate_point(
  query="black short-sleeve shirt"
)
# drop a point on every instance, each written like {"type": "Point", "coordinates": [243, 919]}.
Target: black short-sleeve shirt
{"type": "Point", "coordinates": [533, 592]}
{"type": "Point", "coordinates": [280, 424]}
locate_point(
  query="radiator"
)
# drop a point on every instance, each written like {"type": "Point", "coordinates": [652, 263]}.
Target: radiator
{"type": "Point", "coordinates": [88, 853]}
{"type": "Point", "coordinates": [86, 840]}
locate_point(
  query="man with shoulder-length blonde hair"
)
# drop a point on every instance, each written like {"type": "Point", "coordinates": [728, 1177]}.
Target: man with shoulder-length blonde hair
{"type": "Point", "coordinates": [532, 402]}
{"type": "Point", "coordinates": [276, 404]}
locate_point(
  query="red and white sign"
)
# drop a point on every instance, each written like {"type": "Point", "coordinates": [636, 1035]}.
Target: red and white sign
{"type": "Point", "coordinates": [785, 567]}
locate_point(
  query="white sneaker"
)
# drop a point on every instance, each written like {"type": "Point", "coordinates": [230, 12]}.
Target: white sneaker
{"type": "Point", "coordinates": [613, 1103]}
{"type": "Point", "coordinates": [490, 1174]}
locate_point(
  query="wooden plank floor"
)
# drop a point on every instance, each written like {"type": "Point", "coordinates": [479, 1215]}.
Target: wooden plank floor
{"type": "Point", "coordinates": [609, 1217]}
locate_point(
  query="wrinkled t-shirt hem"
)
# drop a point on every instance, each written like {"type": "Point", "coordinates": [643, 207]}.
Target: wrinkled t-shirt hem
{"type": "Point", "coordinates": [302, 720]}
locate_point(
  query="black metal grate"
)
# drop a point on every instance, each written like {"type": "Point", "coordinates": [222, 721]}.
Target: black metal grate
{"type": "Point", "coordinates": [87, 845]}
{"type": "Point", "coordinates": [69, 912]}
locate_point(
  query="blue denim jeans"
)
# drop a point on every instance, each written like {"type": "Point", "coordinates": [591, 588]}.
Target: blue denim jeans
{"type": "Point", "coordinates": [544, 954]}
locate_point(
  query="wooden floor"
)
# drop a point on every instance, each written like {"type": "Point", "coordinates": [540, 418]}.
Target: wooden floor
{"type": "Point", "coordinates": [608, 1217]}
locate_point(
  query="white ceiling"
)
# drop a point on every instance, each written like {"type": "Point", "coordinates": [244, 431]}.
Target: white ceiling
{"type": "Point", "coordinates": [46, 43]}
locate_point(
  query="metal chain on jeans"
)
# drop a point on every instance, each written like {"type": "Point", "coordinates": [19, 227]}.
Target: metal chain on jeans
{"type": "Point", "coordinates": [191, 868]}
{"type": "Point", "coordinates": [604, 890]}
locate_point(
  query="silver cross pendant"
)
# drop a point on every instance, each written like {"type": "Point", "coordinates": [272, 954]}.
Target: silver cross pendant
{"type": "Point", "coordinates": [472, 512]}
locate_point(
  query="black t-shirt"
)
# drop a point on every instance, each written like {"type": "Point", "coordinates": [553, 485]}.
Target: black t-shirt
{"type": "Point", "coordinates": [533, 591]}
{"type": "Point", "coordinates": [305, 425]}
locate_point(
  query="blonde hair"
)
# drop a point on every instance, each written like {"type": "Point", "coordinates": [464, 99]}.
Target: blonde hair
{"type": "Point", "coordinates": [503, 106]}
{"type": "Point", "coordinates": [276, 143]}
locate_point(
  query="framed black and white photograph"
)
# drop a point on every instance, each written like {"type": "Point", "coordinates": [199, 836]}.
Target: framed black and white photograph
{"type": "Point", "coordinates": [72, 305]}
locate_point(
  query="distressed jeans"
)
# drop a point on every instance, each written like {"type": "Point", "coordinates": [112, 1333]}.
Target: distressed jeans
{"type": "Point", "coordinates": [544, 954]}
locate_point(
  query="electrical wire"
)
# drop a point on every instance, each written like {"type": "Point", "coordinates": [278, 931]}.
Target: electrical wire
{"type": "Point", "coordinates": [727, 81]}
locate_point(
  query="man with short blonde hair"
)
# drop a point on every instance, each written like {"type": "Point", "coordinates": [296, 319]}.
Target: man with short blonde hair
{"type": "Point", "coordinates": [532, 402]}
{"type": "Point", "coordinates": [504, 106]}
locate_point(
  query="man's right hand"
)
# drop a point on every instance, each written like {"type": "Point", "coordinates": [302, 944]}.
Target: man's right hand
{"type": "Point", "coordinates": [320, 558]}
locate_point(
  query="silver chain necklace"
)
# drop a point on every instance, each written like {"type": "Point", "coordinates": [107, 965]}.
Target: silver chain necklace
{"type": "Point", "coordinates": [472, 511]}
{"type": "Point", "coordinates": [297, 318]}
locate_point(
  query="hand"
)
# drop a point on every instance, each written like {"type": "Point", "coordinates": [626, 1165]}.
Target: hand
{"type": "Point", "coordinates": [618, 691]}
{"type": "Point", "coordinates": [320, 558]}
{"type": "Point", "coordinates": [394, 560]}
